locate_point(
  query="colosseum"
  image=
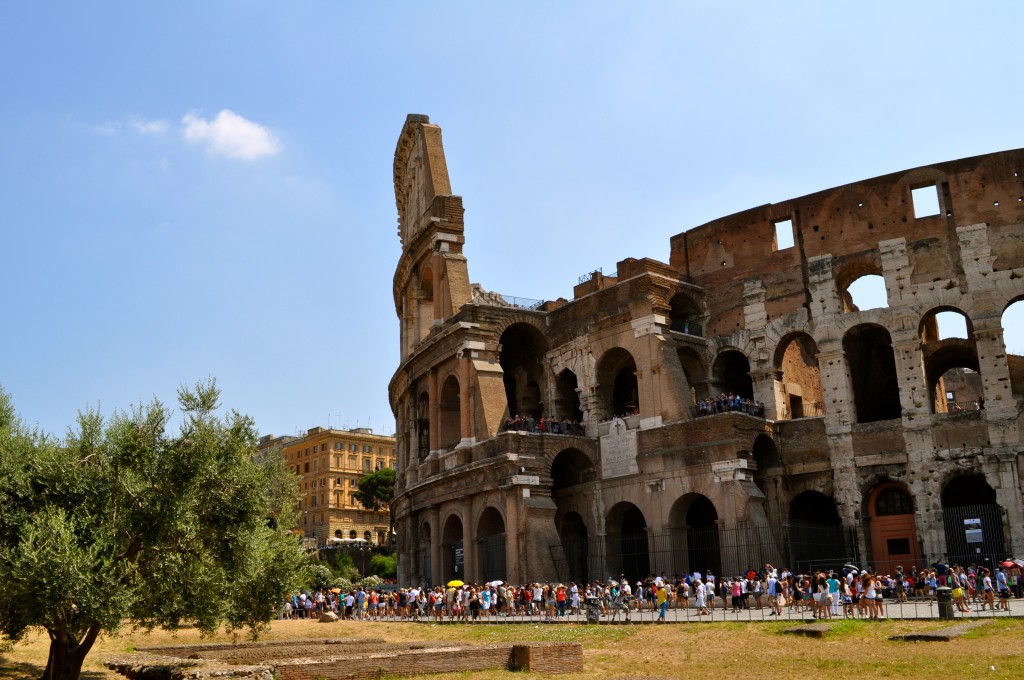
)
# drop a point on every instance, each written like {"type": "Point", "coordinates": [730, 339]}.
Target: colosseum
{"type": "Point", "coordinates": [731, 407]}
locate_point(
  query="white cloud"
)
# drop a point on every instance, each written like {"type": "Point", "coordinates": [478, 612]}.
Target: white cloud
{"type": "Point", "coordinates": [135, 124]}
{"type": "Point", "coordinates": [231, 135]}
{"type": "Point", "coordinates": [148, 127]}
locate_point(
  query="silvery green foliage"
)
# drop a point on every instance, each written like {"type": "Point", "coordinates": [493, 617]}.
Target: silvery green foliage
{"type": "Point", "coordinates": [121, 521]}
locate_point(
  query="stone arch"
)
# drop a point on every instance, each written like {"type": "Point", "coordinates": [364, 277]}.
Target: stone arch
{"type": "Point", "coordinates": [928, 329]}
{"type": "Point", "coordinates": [973, 521]}
{"type": "Point", "coordinates": [567, 396]}
{"type": "Point", "coordinates": [696, 545]}
{"type": "Point", "coordinates": [522, 361]}
{"type": "Point", "coordinates": [490, 533]}
{"type": "Point", "coordinates": [953, 375]}
{"type": "Point", "coordinates": [796, 357]}
{"type": "Point", "coordinates": [850, 270]}
{"type": "Point", "coordinates": [765, 453]}
{"type": "Point", "coordinates": [626, 542]}
{"type": "Point", "coordinates": [816, 536]}
{"type": "Point", "coordinates": [732, 373]}
{"type": "Point", "coordinates": [872, 365]}
{"type": "Point", "coordinates": [684, 312]}
{"type": "Point", "coordinates": [453, 563]}
{"type": "Point", "coordinates": [694, 372]}
{"type": "Point", "coordinates": [1012, 323]}
{"type": "Point", "coordinates": [892, 527]}
{"type": "Point", "coordinates": [450, 402]}
{"type": "Point", "coordinates": [570, 467]}
{"type": "Point", "coordinates": [617, 382]}
{"type": "Point", "coordinates": [338, 534]}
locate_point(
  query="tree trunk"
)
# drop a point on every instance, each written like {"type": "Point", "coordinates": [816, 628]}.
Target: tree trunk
{"type": "Point", "coordinates": [67, 654]}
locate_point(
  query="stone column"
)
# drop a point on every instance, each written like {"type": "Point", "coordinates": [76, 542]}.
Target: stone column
{"type": "Point", "coordinates": [768, 391]}
{"type": "Point", "coordinates": [465, 400]}
{"type": "Point", "coordinates": [469, 546]}
{"type": "Point", "coordinates": [915, 399]}
{"type": "Point", "coordinates": [435, 546]}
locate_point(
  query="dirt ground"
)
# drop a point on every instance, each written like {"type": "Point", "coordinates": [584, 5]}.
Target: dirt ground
{"type": "Point", "coordinates": [854, 649]}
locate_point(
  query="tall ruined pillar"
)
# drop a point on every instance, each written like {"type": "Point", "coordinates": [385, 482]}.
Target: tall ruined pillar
{"type": "Point", "coordinates": [466, 400]}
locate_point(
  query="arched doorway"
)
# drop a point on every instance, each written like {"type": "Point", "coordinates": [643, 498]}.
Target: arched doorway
{"type": "Point", "coordinates": [626, 542]}
{"type": "Point", "coordinates": [695, 541]}
{"type": "Point", "coordinates": [893, 528]}
{"type": "Point", "coordinates": [797, 359]}
{"type": "Point", "coordinates": [522, 362]}
{"type": "Point", "coordinates": [569, 469]}
{"type": "Point", "coordinates": [451, 414]}
{"type": "Point", "coordinates": [732, 373]}
{"type": "Point", "coordinates": [568, 397]}
{"type": "Point", "coordinates": [815, 536]}
{"type": "Point", "coordinates": [453, 558]}
{"type": "Point", "coordinates": [683, 314]}
{"type": "Point", "coordinates": [973, 522]}
{"type": "Point", "coordinates": [490, 531]}
{"type": "Point", "coordinates": [876, 391]}
{"type": "Point", "coordinates": [618, 383]}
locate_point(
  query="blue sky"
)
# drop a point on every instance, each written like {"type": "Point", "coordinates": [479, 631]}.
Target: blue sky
{"type": "Point", "coordinates": [204, 189]}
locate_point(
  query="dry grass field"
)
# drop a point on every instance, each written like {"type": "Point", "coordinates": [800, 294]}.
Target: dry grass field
{"type": "Point", "coordinates": [730, 651]}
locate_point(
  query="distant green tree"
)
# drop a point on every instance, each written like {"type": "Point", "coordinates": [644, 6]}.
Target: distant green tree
{"type": "Point", "coordinates": [375, 492]}
{"type": "Point", "coordinates": [122, 522]}
{"type": "Point", "coordinates": [385, 566]}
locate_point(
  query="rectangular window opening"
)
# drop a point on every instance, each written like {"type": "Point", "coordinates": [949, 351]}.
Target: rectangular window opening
{"type": "Point", "coordinates": [926, 201]}
{"type": "Point", "coordinates": [783, 234]}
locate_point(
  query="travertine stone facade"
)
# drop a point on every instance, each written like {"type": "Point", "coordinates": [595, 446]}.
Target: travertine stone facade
{"type": "Point", "coordinates": [845, 448]}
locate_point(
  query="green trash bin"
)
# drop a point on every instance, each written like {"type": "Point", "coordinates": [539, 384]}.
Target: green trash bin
{"type": "Point", "coordinates": [945, 597]}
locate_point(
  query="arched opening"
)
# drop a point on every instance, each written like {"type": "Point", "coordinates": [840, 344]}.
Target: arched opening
{"type": "Point", "coordinates": [683, 314]}
{"type": "Point", "coordinates": [696, 546]}
{"type": "Point", "coordinates": [570, 468]}
{"type": "Point", "coordinates": [338, 534]}
{"type": "Point", "coordinates": [797, 358]}
{"type": "Point", "coordinates": [732, 373]}
{"type": "Point", "coordinates": [618, 383]}
{"type": "Point", "coordinates": [816, 537]}
{"type": "Point", "coordinates": [951, 369]}
{"type": "Point", "coordinates": [352, 534]}
{"type": "Point", "coordinates": [893, 528]}
{"type": "Point", "coordinates": [766, 455]}
{"type": "Point", "coordinates": [368, 536]}
{"type": "Point", "coordinates": [423, 425]}
{"type": "Point", "coordinates": [626, 537]}
{"type": "Point", "coordinates": [1013, 340]}
{"type": "Point", "coordinates": [380, 540]}
{"type": "Point", "coordinates": [572, 532]}
{"type": "Point", "coordinates": [522, 361]}
{"type": "Point", "coordinates": [490, 531]}
{"type": "Point", "coordinates": [864, 293]}
{"type": "Point", "coordinates": [693, 370]}
{"type": "Point", "coordinates": [452, 553]}
{"type": "Point", "coordinates": [973, 522]}
{"type": "Point", "coordinates": [567, 404]}
{"type": "Point", "coordinates": [426, 568]}
{"type": "Point", "coordinates": [944, 323]}
{"type": "Point", "coordinates": [451, 414]}
{"type": "Point", "coordinates": [872, 365]}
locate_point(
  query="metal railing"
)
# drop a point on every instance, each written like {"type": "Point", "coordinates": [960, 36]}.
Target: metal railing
{"type": "Point", "coordinates": [590, 275]}
{"type": "Point", "coordinates": [962, 406]}
{"type": "Point", "coordinates": [523, 303]}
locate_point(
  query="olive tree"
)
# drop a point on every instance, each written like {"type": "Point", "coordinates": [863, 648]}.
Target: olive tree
{"type": "Point", "coordinates": [120, 521]}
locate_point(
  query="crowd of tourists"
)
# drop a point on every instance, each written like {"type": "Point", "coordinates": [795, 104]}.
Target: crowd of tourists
{"type": "Point", "coordinates": [729, 402]}
{"type": "Point", "coordinates": [544, 425]}
{"type": "Point", "coordinates": [850, 593]}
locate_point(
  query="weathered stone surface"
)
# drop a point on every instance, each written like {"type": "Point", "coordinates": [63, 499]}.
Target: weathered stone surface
{"type": "Point", "coordinates": [855, 399]}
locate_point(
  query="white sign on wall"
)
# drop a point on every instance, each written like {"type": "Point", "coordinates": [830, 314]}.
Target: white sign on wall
{"type": "Point", "coordinates": [618, 451]}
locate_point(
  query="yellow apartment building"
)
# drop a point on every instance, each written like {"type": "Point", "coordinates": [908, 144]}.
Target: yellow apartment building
{"type": "Point", "coordinates": [329, 464]}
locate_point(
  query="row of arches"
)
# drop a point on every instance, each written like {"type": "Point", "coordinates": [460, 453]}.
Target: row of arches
{"type": "Point", "coordinates": [812, 534]}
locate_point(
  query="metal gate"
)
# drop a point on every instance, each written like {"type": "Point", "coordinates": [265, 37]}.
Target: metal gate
{"type": "Point", "coordinates": [492, 554]}
{"type": "Point", "coordinates": [974, 534]}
